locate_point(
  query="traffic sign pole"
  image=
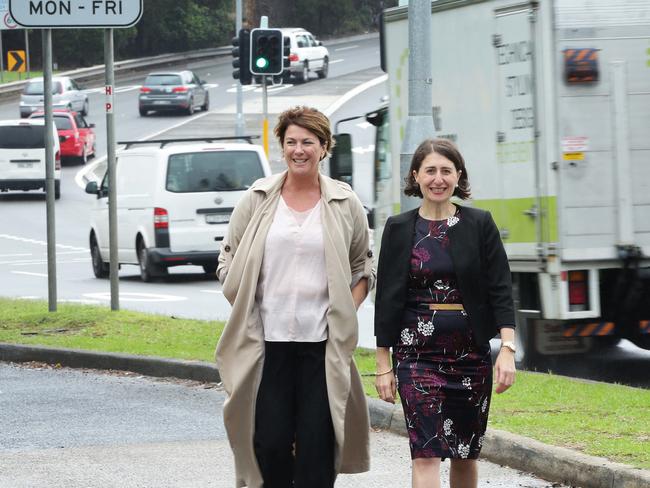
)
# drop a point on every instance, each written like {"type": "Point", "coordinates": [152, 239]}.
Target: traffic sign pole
{"type": "Point", "coordinates": [265, 122]}
{"type": "Point", "coordinates": [49, 169]}
{"type": "Point", "coordinates": [2, 60]}
{"type": "Point", "coordinates": [110, 160]}
{"type": "Point", "coordinates": [240, 127]}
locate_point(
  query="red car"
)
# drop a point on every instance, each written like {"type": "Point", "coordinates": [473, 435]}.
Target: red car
{"type": "Point", "coordinates": [77, 136]}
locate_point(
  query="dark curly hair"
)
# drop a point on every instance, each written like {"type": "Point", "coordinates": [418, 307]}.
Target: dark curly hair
{"type": "Point", "coordinates": [308, 118]}
{"type": "Point", "coordinates": [447, 149]}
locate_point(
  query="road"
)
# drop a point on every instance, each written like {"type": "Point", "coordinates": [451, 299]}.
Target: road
{"type": "Point", "coordinates": [73, 429]}
{"type": "Point", "coordinates": [188, 292]}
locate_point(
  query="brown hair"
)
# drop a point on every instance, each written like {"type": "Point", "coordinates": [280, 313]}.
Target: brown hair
{"type": "Point", "coordinates": [447, 149]}
{"type": "Point", "coordinates": [308, 118]}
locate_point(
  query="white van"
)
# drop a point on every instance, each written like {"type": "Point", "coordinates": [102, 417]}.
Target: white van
{"type": "Point", "coordinates": [22, 156]}
{"type": "Point", "coordinates": [174, 202]}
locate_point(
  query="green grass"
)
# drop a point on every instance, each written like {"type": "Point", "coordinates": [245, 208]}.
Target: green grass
{"type": "Point", "coordinates": [9, 76]}
{"type": "Point", "coordinates": [599, 419]}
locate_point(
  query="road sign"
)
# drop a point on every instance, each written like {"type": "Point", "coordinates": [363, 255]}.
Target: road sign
{"type": "Point", "coordinates": [56, 14]}
{"type": "Point", "coordinates": [16, 61]}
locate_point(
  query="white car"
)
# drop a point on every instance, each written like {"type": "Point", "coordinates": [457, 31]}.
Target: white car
{"type": "Point", "coordinates": [174, 202]}
{"type": "Point", "coordinates": [66, 94]}
{"type": "Point", "coordinates": [308, 55]}
{"type": "Point", "coordinates": [22, 156]}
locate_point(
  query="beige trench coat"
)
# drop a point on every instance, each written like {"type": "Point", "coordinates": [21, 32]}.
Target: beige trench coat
{"type": "Point", "coordinates": [240, 352]}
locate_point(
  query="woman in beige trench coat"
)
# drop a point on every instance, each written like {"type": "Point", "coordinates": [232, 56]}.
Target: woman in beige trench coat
{"type": "Point", "coordinates": [348, 267]}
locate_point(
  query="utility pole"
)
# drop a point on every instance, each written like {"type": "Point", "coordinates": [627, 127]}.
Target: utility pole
{"type": "Point", "coordinates": [419, 124]}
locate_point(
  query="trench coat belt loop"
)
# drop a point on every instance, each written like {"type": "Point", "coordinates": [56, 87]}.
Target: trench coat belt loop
{"type": "Point", "coordinates": [446, 306]}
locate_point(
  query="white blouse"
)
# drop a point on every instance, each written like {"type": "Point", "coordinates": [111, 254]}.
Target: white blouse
{"type": "Point", "coordinates": [292, 290]}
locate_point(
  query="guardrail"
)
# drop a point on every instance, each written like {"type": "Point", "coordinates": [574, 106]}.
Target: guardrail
{"type": "Point", "coordinates": [95, 73]}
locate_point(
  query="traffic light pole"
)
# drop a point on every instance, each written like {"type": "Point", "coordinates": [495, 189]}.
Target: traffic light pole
{"type": "Point", "coordinates": [265, 121]}
{"type": "Point", "coordinates": [240, 127]}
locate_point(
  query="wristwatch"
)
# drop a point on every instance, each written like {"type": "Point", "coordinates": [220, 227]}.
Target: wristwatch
{"type": "Point", "coordinates": [509, 345]}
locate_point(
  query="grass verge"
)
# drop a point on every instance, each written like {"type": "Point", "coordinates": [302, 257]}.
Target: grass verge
{"type": "Point", "coordinates": [596, 418]}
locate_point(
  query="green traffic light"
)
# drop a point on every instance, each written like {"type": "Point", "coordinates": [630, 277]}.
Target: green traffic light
{"type": "Point", "coordinates": [262, 63]}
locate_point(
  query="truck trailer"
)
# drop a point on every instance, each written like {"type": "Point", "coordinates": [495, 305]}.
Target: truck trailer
{"type": "Point", "coordinates": [549, 102]}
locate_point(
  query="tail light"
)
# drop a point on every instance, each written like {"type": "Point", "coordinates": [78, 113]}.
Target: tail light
{"type": "Point", "coordinates": [578, 290]}
{"type": "Point", "coordinates": [180, 89]}
{"type": "Point", "coordinates": [57, 160]}
{"type": "Point", "coordinates": [160, 218]}
{"type": "Point", "coordinates": [144, 89]}
{"type": "Point", "coordinates": [293, 57]}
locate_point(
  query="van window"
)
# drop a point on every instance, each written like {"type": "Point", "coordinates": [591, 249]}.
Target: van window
{"type": "Point", "coordinates": [36, 88]}
{"type": "Point", "coordinates": [213, 171]}
{"type": "Point", "coordinates": [22, 137]}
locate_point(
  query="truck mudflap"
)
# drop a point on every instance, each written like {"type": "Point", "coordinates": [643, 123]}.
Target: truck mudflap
{"type": "Point", "coordinates": [597, 329]}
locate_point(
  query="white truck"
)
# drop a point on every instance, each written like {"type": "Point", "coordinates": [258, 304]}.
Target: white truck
{"type": "Point", "coordinates": [549, 102]}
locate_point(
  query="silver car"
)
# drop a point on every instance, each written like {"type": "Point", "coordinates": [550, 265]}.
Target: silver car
{"type": "Point", "coordinates": [176, 90]}
{"type": "Point", "coordinates": [66, 94]}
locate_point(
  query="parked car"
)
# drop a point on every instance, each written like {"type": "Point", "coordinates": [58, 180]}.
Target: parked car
{"type": "Point", "coordinates": [174, 202]}
{"type": "Point", "coordinates": [66, 94]}
{"type": "Point", "coordinates": [76, 136]}
{"type": "Point", "coordinates": [177, 90]}
{"type": "Point", "coordinates": [22, 156]}
{"type": "Point", "coordinates": [307, 55]}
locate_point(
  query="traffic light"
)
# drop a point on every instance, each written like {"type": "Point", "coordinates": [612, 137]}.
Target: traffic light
{"type": "Point", "coordinates": [266, 52]}
{"type": "Point", "coordinates": [241, 57]}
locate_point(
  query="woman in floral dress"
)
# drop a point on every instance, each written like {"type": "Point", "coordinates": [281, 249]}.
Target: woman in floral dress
{"type": "Point", "coordinates": [443, 291]}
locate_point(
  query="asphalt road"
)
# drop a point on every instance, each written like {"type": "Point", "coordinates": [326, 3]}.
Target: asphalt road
{"type": "Point", "coordinates": [65, 428]}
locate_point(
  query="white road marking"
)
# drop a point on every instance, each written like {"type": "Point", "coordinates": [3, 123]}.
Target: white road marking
{"type": "Point", "coordinates": [216, 292]}
{"type": "Point", "coordinates": [42, 275]}
{"type": "Point", "coordinates": [136, 297]}
{"type": "Point", "coordinates": [40, 243]}
{"type": "Point", "coordinates": [14, 255]}
{"type": "Point", "coordinates": [363, 150]}
{"type": "Point", "coordinates": [80, 300]}
{"type": "Point", "coordinates": [353, 93]}
{"type": "Point", "coordinates": [273, 89]}
{"type": "Point", "coordinates": [346, 48]}
{"type": "Point", "coordinates": [334, 61]}
{"type": "Point", "coordinates": [39, 261]}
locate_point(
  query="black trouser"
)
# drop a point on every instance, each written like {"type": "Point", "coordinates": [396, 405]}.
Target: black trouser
{"type": "Point", "coordinates": [292, 406]}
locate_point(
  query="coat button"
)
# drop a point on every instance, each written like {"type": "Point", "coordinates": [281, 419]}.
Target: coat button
{"type": "Point", "coordinates": [226, 248]}
{"type": "Point", "coordinates": [369, 254]}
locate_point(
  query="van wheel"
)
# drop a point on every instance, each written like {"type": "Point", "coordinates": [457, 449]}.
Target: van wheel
{"type": "Point", "coordinates": [100, 268]}
{"type": "Point", "coordinates": [148, 271]}
{"type": "Point", "coordinates": [57, 189]}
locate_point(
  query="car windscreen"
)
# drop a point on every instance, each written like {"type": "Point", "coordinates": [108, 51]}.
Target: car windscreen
{"type": "Point", "coordinates": [61, 122]}
{"type": "Point", "coordinates": [163, 80]}
{"type": "Point", "coordinates": [36, 88]}
{"type": "Point", "coordinates": [213, 171]}
{"type": "Point", "coordinates": [22, 137]}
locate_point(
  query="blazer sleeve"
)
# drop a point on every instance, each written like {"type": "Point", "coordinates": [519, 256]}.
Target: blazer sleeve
{"type": "Point", "coordinates": [361, 258]}
{"type": "Point", "coordinates": [241, 215]}
{"type": "Point", "coordinates": [498, 275]}
{"type": "Point", "coordinates": [383, 330]}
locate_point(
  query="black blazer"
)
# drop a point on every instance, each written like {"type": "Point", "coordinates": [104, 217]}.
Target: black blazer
{"type": "Point", "coordinates": [481, 267]}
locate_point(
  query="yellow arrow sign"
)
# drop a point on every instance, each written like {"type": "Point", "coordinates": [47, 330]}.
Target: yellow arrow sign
{"type": "Point", "coordinates": [16, 61]}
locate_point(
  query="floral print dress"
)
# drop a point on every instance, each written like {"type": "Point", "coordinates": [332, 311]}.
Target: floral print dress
{"type": "Point", "coordinates": [444, 379]}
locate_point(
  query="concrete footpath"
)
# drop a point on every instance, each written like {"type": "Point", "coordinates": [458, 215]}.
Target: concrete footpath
{"type": "Point", "coordinates": [548, 462]}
